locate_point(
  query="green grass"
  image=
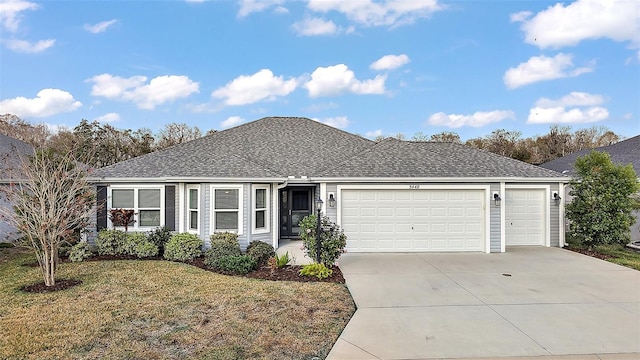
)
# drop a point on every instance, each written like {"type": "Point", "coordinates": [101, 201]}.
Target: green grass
{"type": "Point", "coordinates": [620, 255]}
{"type": "Point", "coordinates": [616, 254]}
{"type": "Point", "coordinates": [164, 310]}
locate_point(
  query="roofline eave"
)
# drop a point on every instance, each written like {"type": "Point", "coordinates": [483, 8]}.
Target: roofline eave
{"type": "Point", "coordinates": [305, 179]}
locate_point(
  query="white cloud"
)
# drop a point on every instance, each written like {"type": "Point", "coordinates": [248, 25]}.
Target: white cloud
{"type": "Point", "coordinates": [477, 119]}
{"type": "Point", "coordinates": [113, 87]}
{"type": "Point", "coordinates": [583, 109]}
{"type": "Point", "coordinates": [520, 16]}
{"type": "Point", "coordinates": [561, 25]}
{"type": "Point", "coordinates": [628, 116]}
{"type": "Point", "coordinates": [334, 80]}
{"type": "Point", "coordinates": [10, 13]}
{"type": "Point", "coordinates": [339, 122]}
{"type": "Point", "coordinates": [107, 118]}
{"type": "Point", "coordinates": [386, 13]}
{"type": "Point", "coordinates": [231, 121]}
{"type": "Point", "coordinates": [390, 62]}
{"type": "Point", "coordinates": [560, 115]}
{"type": "Point", "coordinates": [248, 89]}
{"type": "Point", "coordinates": [373, 134]}
{"type": "Point", "coordinates": [27, 47]}
{"type": "Point", "coordinates": [99, 27]}
{"type": "Point", "coordinates": [158, 91]}
{"type": "Point", "coordinates": [542, 68]}
{"type": "Point", "coordinates": [47, 102]}
{"type": "Point", "coordinates": [574, 98]}
{"type": "Point", "coordinates": [315, 27]}
{"type": "Point", "coordinates": [250, 6]}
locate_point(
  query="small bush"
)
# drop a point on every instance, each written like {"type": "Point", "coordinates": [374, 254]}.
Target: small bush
{"type": "Point", "coordinates": [6, 245]}
{"type": "Point", "coordinates": [223, 246]}
{"type": "Point", "coordinates": [159, 237]}
{"type": "Point", "coordinates": [79, 252]}
{"type": "Point", "coordinates": [282, 260]}
{"type": "Point", "coordinates": [183, 247]}
{"type": "Point", "coordinates": [316, 270]}
{"type": "Point", "coordinates": [145, 249]}
{"type": "Point", "coordinates": [260, 252]}
{"type": "Point", "coordinates": [235, 264]}
{"type": "Point", "coordinates": [333, 239]}
{"type": "Point", "coordinates": [111, 242]}
{"type": "Point", "coordinates": [224, 236]}
{"type": "Point", "coordinates": [131, 241]}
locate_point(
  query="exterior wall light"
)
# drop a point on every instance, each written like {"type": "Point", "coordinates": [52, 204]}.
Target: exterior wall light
{"type": "Point", "coordinates": [556, 198]}
{"type": "Point", "coordinates": [496, 198]}
{"type": "Point", "coordinates": [332, 200]}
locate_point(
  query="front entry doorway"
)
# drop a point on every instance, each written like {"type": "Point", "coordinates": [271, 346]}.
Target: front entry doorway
{"type": "Point", "coordinates": [295, 204]}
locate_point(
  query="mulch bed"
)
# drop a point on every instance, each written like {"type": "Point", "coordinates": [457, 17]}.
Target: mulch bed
{"type": "Point", "coordinates": [286, 273]}
{"type": "Point", "coordinates": [589, 253]}
{"type": "Point", "coordinates": [61, 284]}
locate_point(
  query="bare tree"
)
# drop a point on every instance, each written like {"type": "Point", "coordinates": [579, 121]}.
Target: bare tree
{"type": "Point", "coordinates": [446, 136]}
{"type": "Point", "coordinates": [175, 133]}
{"type": "Point", "coordinates": [52, 201]}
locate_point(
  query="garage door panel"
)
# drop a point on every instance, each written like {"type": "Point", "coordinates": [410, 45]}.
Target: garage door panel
{"type": "Point", "coordinates": [525, 217]}
{"type": "Point", "coordinates": [413, 220]}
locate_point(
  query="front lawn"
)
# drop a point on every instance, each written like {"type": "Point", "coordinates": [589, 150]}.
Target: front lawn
{"type": "Point", "coordinates": [164, 310]}
{"type": "Point", "coordinates": [616, 254]}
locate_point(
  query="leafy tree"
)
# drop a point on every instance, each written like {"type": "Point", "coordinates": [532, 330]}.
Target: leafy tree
{"type": "Point", "coordinates": [52, 202]}
{"type": "Point", "coordinates": [603, 200]}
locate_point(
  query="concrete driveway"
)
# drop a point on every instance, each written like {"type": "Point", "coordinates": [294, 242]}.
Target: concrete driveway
{"type": "Point", "coordinates": [529, 301]}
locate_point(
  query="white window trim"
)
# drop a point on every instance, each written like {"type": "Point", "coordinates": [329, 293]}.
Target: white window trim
{"type": "Point", "coordinates": [240, 189]}
{"type": "Point", "coordinates": [189, 210]}
{"type": "Point", "coordinates": [266, 209]}
{"type": "Point", "coordinates": [136, 209]}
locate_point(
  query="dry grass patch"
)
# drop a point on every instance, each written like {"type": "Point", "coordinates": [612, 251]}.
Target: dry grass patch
{"type": "Point", "coordinates": [164, 310]}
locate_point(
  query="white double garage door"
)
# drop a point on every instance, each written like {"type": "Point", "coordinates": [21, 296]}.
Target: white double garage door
{"type": "Point", "coordinates": [415, 220]}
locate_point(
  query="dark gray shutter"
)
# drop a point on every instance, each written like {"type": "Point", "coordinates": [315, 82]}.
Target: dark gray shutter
{"type": "Point", "coordinates": [170, 207]}
{"type": "Point", "coordinates": [101, 212]}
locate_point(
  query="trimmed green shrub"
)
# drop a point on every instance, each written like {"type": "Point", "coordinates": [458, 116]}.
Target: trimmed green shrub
{"type": "Point", "coordinates": [220, 248]}
{"type": "Point", "coordinates": [111, 242]}
{"type": "Point", "coordinates": [333, 239]}
{"type": "Point", "coordinates": [316, 270]}
{"type": "Point", "coordinates": [235, 264]}
{"type": "Point", "coordinates": [159, 236]}
{"type": "Point", "coordinates": [183, 247]}
{"type": "Point", "coordinates": [79, 252]}
{"type": "Point", "coordinates": [145, 249]}
{"type": "Point", "coordinates": [260, 252]}
{"type": "Point", "coordinates": [131, 241]}
{"type": "Point", "coordinates": [228, 236]}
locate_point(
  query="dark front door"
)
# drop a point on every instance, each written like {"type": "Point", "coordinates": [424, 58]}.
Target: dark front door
{"type": "Point", "coordinates": [295, 204]}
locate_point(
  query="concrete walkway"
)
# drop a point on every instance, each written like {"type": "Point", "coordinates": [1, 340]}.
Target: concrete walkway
{"type": "Point", "coordinates": [527, 302]}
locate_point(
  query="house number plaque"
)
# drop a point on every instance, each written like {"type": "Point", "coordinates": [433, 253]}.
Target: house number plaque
{"type": "Point", "coordinates": [414, 186]}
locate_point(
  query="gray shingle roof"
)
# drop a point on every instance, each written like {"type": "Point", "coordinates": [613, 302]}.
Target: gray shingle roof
{"type": "Point", "coordinates": [394, 158]}
{"type": "Point", "coordinates": [10, 152]}
{"type": "Point", "coordinates": [278, 147]}
{"type": "Point", "coordinates": [622, 153]}
{"type": "Point", "coordinates": [266, 148]}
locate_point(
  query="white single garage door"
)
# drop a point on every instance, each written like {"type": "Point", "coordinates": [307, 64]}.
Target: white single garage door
{"type": "Point", "coordinates": [413, 220]}
{"type": "Point", "coordinates": [525, 217]}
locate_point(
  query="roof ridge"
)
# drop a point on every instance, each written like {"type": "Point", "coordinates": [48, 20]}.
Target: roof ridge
{"type": "Point", "coordinates": [375, 144]}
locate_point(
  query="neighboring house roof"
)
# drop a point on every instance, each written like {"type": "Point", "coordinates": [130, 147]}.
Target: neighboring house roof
{"type": "Point", "coordinates": [622, 153]}
{"type": "Point", "coordinates": [11, 150]}
{"type": "Point", "coordinates": [280, 147]}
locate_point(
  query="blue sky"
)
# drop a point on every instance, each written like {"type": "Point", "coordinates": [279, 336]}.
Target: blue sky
{"type": "Point", "coordinates": [368, 67]}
